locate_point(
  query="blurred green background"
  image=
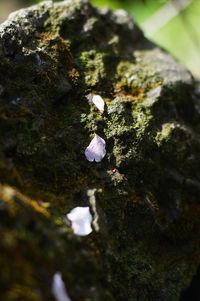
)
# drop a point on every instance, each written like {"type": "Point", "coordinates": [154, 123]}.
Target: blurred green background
{"type": "Point", "coordinates": [173, 24]}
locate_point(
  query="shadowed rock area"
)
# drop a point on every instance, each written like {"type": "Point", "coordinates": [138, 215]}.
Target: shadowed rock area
{"type": "Point", "coordinates": [144, 195]}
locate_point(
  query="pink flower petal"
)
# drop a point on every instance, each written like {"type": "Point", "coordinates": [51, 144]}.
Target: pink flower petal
{"type": "Point", "coordinates": [99, 102]}
{"type": "Point", "coordinates": [96, 150]}
{"type": "Point", "coordinates": [58, 288]}
{"type": "Point", "coordinates": [81, 220]}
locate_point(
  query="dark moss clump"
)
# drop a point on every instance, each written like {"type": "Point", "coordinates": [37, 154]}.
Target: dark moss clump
{"type": "Point", "coordinates": [146, 191]}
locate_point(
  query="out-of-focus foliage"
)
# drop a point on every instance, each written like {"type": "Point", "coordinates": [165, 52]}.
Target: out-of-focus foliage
{"type": "Point", "coordinates": [173, 24]}
{"type": "Point", "coordinates": [8, 6]}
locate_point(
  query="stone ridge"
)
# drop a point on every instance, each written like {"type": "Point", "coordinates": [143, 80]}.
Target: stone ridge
{"type": "Point", "coordinates": [144, 194]}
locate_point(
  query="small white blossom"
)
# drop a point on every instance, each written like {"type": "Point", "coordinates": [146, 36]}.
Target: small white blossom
{"type": "Point", "coordinates": [58, 288]}
{"type": "Point", "coordinates": [81, 220]}
{"type": "Point", "coordinates": [96, 150]}
{"type": "Point", "coordinates": [98, 102]}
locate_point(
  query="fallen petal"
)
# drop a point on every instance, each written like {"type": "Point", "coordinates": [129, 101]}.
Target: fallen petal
{"type": "Point", "coordinates": [99, 102]}
{"type": "Point", "coordinates": [81, 220]}
{"type": "Point", "coordinates": [96, 150]}
{"type": "Point", "coordinates": [89, 154]}
{"type": "Point", "coordinates": [58, 288]}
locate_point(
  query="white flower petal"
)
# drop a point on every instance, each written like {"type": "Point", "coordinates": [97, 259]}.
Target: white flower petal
{"type": "Point", "coordinates": [58, 288]}
{"type": "Point", "coordinates": [81, 219]}
{"type": "Point", "coordinates": [96, 150]}
{"type": "Point", "coordinates": [98, 102]}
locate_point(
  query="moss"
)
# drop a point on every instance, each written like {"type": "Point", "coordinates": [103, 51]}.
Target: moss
{"type": "Point", "coordinates": [53, 57]}
{"type": "Point", "coordinates": [93, 66]}
{"type": "Point", "coordinates": [136, 79]}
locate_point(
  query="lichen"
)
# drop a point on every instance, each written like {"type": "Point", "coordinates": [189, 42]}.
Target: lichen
{"type": "Point", "coordinates": [145, 246]}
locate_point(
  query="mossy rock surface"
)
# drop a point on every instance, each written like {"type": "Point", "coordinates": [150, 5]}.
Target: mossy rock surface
{"type": "Point", "coordinates": [144, 195]}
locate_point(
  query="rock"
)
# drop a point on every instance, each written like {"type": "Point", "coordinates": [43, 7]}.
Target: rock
{"type": "Point", "coordinates": [146, 190]}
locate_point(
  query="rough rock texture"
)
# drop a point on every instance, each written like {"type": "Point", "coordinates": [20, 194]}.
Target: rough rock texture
{"type": "Point", "coordinates": [144, 195]}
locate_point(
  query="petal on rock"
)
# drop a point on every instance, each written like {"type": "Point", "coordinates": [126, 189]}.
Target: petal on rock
{"type": "Point", "coordinates": [58, 288]}
{"type": "Point", "coordinates": [89, 154]}
{"type": "Point", "coordinates": [98, 102]}
{"type": "Point", "coordinates": [81, 220]}
{"type": "Point", "coordinates": [96, 150]}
